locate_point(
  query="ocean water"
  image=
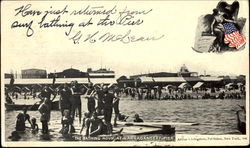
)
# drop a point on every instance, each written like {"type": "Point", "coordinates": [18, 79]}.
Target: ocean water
{"type": "Point", "coordinates": [215, 117]}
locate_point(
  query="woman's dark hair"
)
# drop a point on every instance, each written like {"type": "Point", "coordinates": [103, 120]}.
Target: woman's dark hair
{"type": "Point", "coordinates": [215, 11]}
{"type": "Point", "coordinates": [225, 16]}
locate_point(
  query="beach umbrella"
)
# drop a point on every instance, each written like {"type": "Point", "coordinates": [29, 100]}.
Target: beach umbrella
{"type": "Point", "coordinates": [17, 89]}
{"type": "Point", "coordinates": [58, 87]}
{"type": "Point", "coordinates": [51, 89]}
{"type": "Point", "coordinates": [231, 85]}
{"type": "Point", "coordinates": [112, 85]}
{"type": "Point", "coordinates": [198, 85]}
{"type": "Point", "coordinates": [97, 86]}
{"type": "Point", "coordinates": [127, 87]}
{"type": "Point", "coordinates": [156, 86]}
{"type": "Point", "coordinates": [36, 86]}
{"type": "Point", "coordinates": [239, 84]}
{"type": "Point", "coordinates": [228, 85]}
{"type": "Point", "coordinates": [25, 89]}
{"type": "Point", "coordinates": [169, 86]}
{"type": "Point", "coordinates": [182, 85]}
{"type": "Point", "coordinates": [39, 85]}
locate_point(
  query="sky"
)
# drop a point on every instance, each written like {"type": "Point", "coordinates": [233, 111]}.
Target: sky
{"type": "Point", "coordinates": [50, 49]}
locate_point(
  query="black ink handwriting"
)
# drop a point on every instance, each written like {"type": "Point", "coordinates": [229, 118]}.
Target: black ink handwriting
{"type": "Point", "coordinates": [110, 37]}
{"type": "Point", "coordinates": [94, 11]}
{"type": "Point", "coordinates": [24, 11]}
{"type": "Point", "coordinates": [56, 23]}
{"type": "Point", "coordinates": [29, 31]}
{"type": "Point", "coordinates": [84, 24]}
{"type": "Point", "coordinates": [76, 38]}
{"type": "Point", "coordinates": [56, 12]}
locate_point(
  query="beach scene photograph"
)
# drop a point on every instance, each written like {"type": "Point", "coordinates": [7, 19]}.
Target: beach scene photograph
{"type": "Point", "coordinates": [112, 72]}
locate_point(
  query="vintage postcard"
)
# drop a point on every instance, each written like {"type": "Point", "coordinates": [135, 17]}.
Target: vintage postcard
{"type": "Point", "coordinates": [124, 73]}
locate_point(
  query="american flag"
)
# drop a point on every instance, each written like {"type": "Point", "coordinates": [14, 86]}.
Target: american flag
{"type": "Point", "coordinates": [233, 36]}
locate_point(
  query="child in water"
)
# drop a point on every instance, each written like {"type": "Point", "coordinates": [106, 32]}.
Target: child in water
{"type": "Point", "coordinates": [34, 125]}
{"type": "Point", "coordinates": [67, 123]}
{"type": "Point", "coordinates": [86, 121]}
{"type": "Point", "coordinates": [122, 117]}
{"type": "Point", "coordinates": [14, 136]}
{"type": "Point", "coordinates": [137, 118]}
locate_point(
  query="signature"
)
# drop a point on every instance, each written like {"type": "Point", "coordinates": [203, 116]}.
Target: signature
{"type": "Point", "coordinates": [125, 38]}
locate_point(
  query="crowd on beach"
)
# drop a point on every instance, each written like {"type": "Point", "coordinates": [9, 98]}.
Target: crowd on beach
{"type": "Point", "coordinates": [101, 101]}
{"type": "Point", "coordinates": [175, 93]}
{"type": "Point", "coordinates": [169, 92]}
